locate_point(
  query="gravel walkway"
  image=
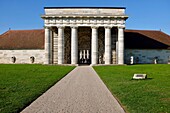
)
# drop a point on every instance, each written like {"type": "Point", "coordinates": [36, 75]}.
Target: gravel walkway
{"type": "Point", "coordinates": [81, 91]}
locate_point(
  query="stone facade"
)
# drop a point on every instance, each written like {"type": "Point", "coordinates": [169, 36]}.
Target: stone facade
{"type": "Point", "coordinates": [148, 56]}
{"type": "Point", "coordinates": [22, 56]}
{"type": "Point", "coordinates": [84, 35]}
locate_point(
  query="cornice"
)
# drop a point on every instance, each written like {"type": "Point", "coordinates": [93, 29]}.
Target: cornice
{"type": "Point", "coordinates": [84, 7]}
{"type": "Point", "coordinates": [90, 21]}
{"type": "Point", "coordinates": [84, 16]}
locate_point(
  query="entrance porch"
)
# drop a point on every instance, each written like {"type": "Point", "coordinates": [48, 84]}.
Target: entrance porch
{"type": "Point", "coordinates": [83, 46]}
{"type": "Point", "coordinates": [84, 35]}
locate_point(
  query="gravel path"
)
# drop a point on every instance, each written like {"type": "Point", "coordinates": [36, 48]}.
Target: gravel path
{"type": "Point", "coordinates": [81, 91]}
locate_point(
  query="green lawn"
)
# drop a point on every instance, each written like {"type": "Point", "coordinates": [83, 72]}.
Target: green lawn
{"type": "Point", "coordinates": [21, 84]}
{"type": "Point", "coordinates": [139, 96]}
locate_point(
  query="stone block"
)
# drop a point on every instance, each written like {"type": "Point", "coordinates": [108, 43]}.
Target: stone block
{"type": "Point", "coordinates": [139, 76]}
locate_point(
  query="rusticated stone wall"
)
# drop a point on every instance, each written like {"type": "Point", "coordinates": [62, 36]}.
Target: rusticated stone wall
{"type": "Point", "coordinates": [147, 56]}
{"type": "Point", "coordinates": [22, 56]}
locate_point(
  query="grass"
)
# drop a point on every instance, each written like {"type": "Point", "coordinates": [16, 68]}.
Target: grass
{"type": "Point", "coordinates": [139, 96]}
{"type": "Point", "coordinates": [21, 84]}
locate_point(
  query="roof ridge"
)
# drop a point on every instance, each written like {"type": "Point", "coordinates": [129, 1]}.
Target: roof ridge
{"type": "Point", "coordinates": [148, 31]}
{"type": "Point", "coordinates": [27, 30]}
{"type": "Point", "coordinates": [164, 33]}
{"type": "Point", "coordinates": [140, 30]}
{"type": "Point", "coordinates": [19, 30]}
{"type": "Point", "coordinates": [5, 32]}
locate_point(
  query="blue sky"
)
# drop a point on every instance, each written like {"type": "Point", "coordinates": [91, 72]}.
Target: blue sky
{"type": "Point", "coordinates": [143, 14]}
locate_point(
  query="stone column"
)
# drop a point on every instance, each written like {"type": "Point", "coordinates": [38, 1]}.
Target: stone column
{"type": "Point", "coordinates": [120, 45]}
{"type": "Point", "coordinates": [108, 45]}
{"type": "Point", "coordinates": [84, 54]}
{"type": "Point", "coordinates": [55, 48]}
{"type": "Point", "coordinates": [87, 54]}
{"type": "Point", "coordinates": [81, 54]}
{"type": "Point", "coordinates": [94, 45]}
{"type": "Point", "coordinates": [60, 45]}
{"type": "Point", "coordinates": [74, 45]}
{"type": "Point", "coordinates": [47, 45]}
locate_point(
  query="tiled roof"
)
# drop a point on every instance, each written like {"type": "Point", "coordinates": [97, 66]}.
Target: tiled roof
{"type": "Point", "coordinates": [155, 35]}
{"type": "Point", "coordinates": [34, 39]}
{"type": "Point", "coordinates": [22, 39]}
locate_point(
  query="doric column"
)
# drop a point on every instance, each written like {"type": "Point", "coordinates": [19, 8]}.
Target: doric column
{"type": "Point", "coordinates": [47, 45]}
{"type": "Point", "coordinates": [84, 54]}
{"type": "Point", "coordinates": [120, 45]}
{"type": "Point", "coordinates": [60, 45]}
{"type": "Point", "coordinates": [55, 47]}
{"type": "Point", "coordinates": [94, 45]}
{"type": "Point", "coordinates": [87, 54]}
{"type": "Point", "coordinates": [81, 54]}
{"type": "Point", "coordinates": [107, 45]}
{"type": "Point", "coordinates": [74, 45]}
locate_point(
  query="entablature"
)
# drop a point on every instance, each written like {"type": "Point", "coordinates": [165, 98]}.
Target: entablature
{"type": "Point", "coordinates": [85, 21]}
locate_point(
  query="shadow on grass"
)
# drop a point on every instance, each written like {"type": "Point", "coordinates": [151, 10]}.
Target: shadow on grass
{"type": "Point", "coordinates": [141, 79]}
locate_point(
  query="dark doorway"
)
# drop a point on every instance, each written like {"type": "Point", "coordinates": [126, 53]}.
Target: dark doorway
{"type": "Point", "coordinates": [84, 45]}
{"type": "Point", "coordinates": [84, 56]}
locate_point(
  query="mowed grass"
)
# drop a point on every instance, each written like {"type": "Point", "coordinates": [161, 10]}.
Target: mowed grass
{"type": "Point", "coordinates": [139, 96]}
{"type": "Point", "coordinates": [21, 84]}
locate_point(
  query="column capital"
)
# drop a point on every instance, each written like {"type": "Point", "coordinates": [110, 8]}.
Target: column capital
{"type": "Point", "coordinates": [46, 27]}
{"type": "Point", "coordinates": [108, 27]}
{"type": "Point", "coordinates": [61, 27]}
{"type": "Point", "coordinates": [74, 27]}
{"type": "Point", "coordinates": [120, 27]}
{"type": "Point", "coordinates": [94, 27]}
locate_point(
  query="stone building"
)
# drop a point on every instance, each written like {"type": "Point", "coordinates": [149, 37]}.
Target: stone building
{"type": "Point", "coordinates": [22, 46]}
{"type": "Point", "coordinates": [84, 35]}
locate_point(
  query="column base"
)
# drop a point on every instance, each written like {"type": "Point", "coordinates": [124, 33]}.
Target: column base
{"type": "Point", "coordinates": [108, 64]}
{"type": "Point", "coordinates": [62, 64]}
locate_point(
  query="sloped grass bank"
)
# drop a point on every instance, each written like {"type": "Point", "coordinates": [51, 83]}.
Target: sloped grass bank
{"type": "Point", "coordinates": [21, 84]}
{"type": "Point", "coordinates": [139, 96]}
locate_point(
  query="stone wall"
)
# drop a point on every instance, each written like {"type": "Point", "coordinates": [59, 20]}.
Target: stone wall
{"type": "Point", "coordinates": [85, 11]}
{"type": "Point", "coordinates": [143, 56]}
{"type": "Point", "coordinates": [22, 56]}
